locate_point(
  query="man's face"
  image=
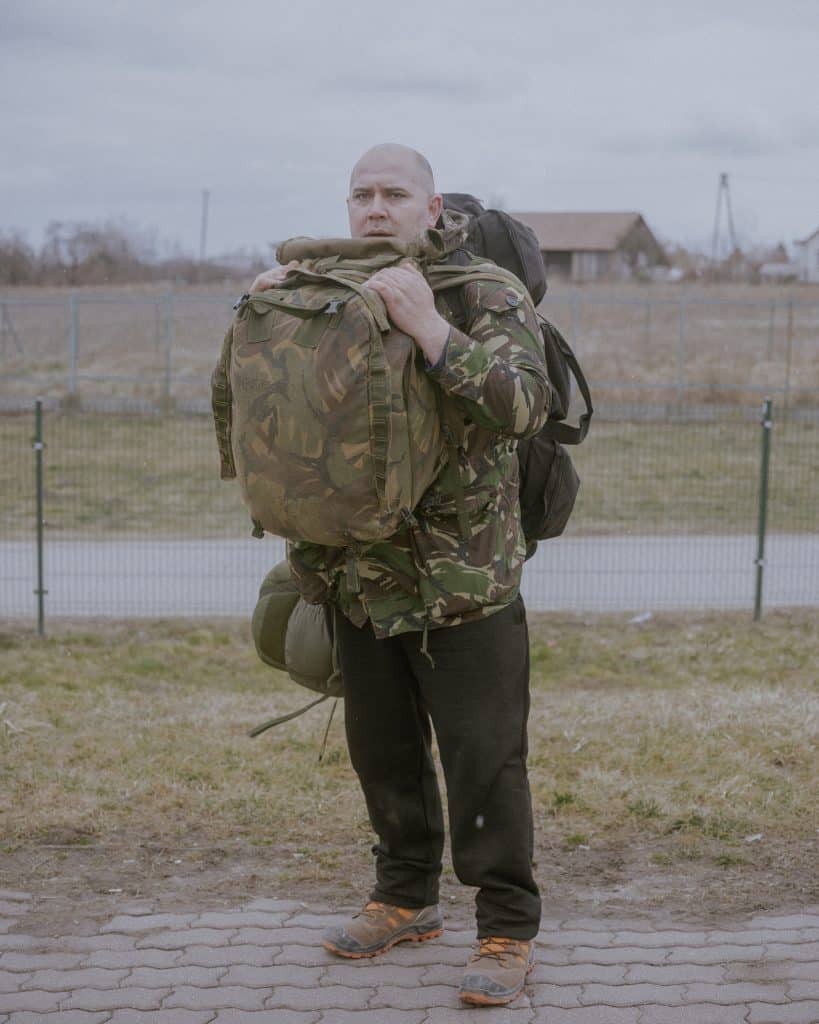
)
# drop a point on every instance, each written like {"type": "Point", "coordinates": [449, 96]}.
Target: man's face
{"type": "Point", "coordinates": [387, 199]}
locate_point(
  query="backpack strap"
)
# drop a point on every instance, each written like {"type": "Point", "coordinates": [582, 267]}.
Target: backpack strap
{"type": "Point", "coordinates": [563, 432]}
{"type": "Point", "coordinates": [222, 405]}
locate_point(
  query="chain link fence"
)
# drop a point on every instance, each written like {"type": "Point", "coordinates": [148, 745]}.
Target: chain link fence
{"type": "Point", "coordinates": [137, 523]}
{"type": "Point", "coordinates": [646, 345]}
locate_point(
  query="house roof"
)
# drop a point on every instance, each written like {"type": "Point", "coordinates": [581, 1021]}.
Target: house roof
{"type": "Point", "coordinates": [580, 231]}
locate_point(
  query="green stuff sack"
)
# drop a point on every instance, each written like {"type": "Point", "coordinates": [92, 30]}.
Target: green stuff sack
{"type": "Point", "coordinates": [294, 636]}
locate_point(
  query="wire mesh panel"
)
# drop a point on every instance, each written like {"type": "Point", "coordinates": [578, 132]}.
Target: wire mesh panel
{"type": "Point", "coordinates": [137, 521]}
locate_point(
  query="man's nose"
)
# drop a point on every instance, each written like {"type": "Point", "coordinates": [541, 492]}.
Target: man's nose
{"type": "Point", "coordinates": [377, 206]}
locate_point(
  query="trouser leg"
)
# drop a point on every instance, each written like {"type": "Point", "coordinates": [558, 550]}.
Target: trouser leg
{"type": "Point", "coordinates": [478, 697]}
{"type": "Point", "coordinates": [388, 735]}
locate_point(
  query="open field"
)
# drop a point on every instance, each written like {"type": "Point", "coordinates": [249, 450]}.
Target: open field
{"type": "Point", "coordinates": [108, 476]}
{"type": "Point", "coordinates": [710, 341]}
{"type": "Point", "coordinates": [670, 758]}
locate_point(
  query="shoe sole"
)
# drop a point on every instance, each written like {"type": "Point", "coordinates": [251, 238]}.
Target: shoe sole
{"type": "Point", "coordinates": [409, 937]}
{"type": "Point", "coordinates": [476, 999]}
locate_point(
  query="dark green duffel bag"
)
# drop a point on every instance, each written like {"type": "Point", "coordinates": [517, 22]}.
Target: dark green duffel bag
{"type": "Point", "coordinates": [296, 637]}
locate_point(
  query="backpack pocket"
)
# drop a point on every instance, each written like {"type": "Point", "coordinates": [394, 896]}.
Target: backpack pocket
{"type": "Point", "coordinates": [313, 315]}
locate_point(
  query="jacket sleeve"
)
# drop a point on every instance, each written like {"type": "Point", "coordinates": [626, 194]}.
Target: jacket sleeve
{"type": "Point", "coordinates": [497, 371]}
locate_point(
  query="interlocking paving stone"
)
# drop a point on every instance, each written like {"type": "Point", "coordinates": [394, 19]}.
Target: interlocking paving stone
{"type": "Point", "coordinates": [615, 955]}
{"type": "Point", "coordinates": [276, 936]}
{"type": "Point", "coordinates": [236, 997]}
{"type": "Point", "coordinates": [91, 943]}
{"type": "Point", "coordinates": [84, 977]}
{"type": "Point", "coordinates": [115, 999]}
{"type": "Point", "coordinates": [171, 977]}
{"type": "Point", "coordinates": [62, 1017]}
{"type": "Point", "coordinates": [624, 937]}
{"type": "Point", "coordinates": [575, 937]}
{"type": "Point", "coordinates": [189, 937]}
{"type": "Point", "coordinates": [380, 1017]}
{"type": "Point", "coordinates": [674, 974]}
{"type": "Point", "coordinates": [633, 995]}
{"type": "Point", "coordinates": [268, 976]}
{"type": "Point", "coordinates": [324, 997]}
{"type": "Point", "coordinates": [12, 942]}
{"type": "Point", "coordinates": [797, 951]}
{"type": "Point", "coordinates": [147, 922]}
{"type": "Point", "coordinates": [714, 954]}
{"type": "Point", "coordinates": [305, 956]}
{"type": "Point", "coordinates": [275, 906]}
{"type": "Point", "coordinates": [240, 919]}
{"type": "Point", "coordinates": [10, 981]}
{"type": "Point", "coordinates": [204, 956]}
{"type": "Point", "coordinates": [695, 1013]}
{"type": "Point", "coordinates": [36, 1001]}
{"type": "Point", "coordinates": [40, 961]}
{"type": "Point", "coordinates": [265, 1017]}
{"type": "Point", "coordinates": [419, 997]}
{"type": "Point", "coordinates": [796, 1013]}
{"type": "Point", "coordinates": [128, 959]}
{"type": "Point", "coordinates": [770, 970]}
{"type": "Point", "coordinates": [565, 996]}
{"type": "Point", "coordinates": [364, 972]}
{"type": "Point", "coordinates": [785, 921]}
{"type": "Point", "coordinates": [736, 992]}
{"type": "Point", "coordinates": [805, 989]}
{"type": "Point", "coordinates": [160, 1017]}
{"type": "Point", "coordinates": [577, 974]}
{"type": "Point", "coordinates": [589, 1015]}
{"type": "Point", "coordinates": [463, 1014]}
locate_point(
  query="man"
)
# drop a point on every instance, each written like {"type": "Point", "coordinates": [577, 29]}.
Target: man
{"type": "Point", "coordinates": [433, 628]}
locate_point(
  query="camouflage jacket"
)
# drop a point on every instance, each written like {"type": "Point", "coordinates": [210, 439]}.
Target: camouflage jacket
{"type": "Point", "coordinates": [495, 389]}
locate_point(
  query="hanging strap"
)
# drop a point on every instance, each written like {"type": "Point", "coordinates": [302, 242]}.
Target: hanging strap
{"type": "Point", "coordinates": [281, 719]}
{"type": "Point", "coordinates": [563, 432]}
{"type": "Point", "coordinates": [221, 397]}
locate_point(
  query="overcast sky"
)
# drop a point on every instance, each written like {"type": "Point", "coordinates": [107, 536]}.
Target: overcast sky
{"type": "Point", "coordinates": [130, 109]}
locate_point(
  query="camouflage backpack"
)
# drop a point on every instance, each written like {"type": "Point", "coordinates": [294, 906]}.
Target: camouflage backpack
{"type": "Point", "coordinates": [323, 409]}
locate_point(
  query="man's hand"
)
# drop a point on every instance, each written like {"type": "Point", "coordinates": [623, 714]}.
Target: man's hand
{"type": "Point", "coordinates": [411, 307]}
{"type": "Point", "coordinates": [271, 278]}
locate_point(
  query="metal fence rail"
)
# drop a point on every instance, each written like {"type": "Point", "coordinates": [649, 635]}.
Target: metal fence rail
{"type": "Point", "coordinates": [137, 523]}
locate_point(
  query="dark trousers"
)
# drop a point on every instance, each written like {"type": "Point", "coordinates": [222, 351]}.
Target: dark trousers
{"type": "Point", "coordinates": [477, 698]}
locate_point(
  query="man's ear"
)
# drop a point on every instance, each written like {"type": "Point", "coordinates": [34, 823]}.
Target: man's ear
{"type": "Point", "coordinates": [436, 204]}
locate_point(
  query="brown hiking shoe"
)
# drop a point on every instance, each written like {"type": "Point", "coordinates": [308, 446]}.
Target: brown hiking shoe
{"type": "Point", "coordinates": [497, 971]}
{"type": "Point", "coordinates": [379, 926]}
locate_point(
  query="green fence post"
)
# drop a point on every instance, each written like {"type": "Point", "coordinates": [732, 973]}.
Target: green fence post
{"type": "Point", "coordinates": [73, 343]}
{"type": "Point", "coordinates": [767, 424]}
{"type": "Point", "coordinates": [38, 477]}
{"type": "Point", "coordinates": [169, 339]}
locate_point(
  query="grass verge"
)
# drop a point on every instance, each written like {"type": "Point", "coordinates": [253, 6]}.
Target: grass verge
{"type": "Point", "coordinates": [701, 730]}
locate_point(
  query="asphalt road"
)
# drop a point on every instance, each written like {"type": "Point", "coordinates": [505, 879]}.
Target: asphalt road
{"type": "Point", "coordinates": [221, 577]}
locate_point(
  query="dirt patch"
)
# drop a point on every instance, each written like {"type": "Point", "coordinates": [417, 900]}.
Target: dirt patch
{"type": "Point", "coordinates": [78, 886]}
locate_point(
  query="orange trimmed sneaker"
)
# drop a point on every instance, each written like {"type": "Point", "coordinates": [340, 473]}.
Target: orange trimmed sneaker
{"type": "Point", "coordinates": [496, 971]}
{"type": "Point", "coordinates": [379, 927]}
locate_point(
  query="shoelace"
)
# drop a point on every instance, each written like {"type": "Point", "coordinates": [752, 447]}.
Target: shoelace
{"type": "Point", "coordinates": [498, 950]}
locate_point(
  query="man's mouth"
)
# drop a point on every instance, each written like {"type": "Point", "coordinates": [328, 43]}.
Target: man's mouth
{"type": "Point", "coordinates": [379, 232]}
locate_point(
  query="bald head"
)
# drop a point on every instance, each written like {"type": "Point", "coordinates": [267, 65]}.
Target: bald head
{"type": "Point", "coordinates": [394, 156]}
{"type": "Point", "coordinates": [392, 194]}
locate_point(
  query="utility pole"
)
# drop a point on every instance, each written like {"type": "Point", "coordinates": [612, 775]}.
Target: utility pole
{"type": "Point", "coordinates": [203, 233]}
{"type": "Point", "coordinates": [723, 190]}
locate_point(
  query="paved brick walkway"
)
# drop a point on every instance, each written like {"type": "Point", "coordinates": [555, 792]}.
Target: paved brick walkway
{"type": "Point", "coordinates": [261, 962]}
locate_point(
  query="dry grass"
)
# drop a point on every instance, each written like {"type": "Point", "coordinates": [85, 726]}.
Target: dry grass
{"type": "Point", "coordinates": [702, 729]}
